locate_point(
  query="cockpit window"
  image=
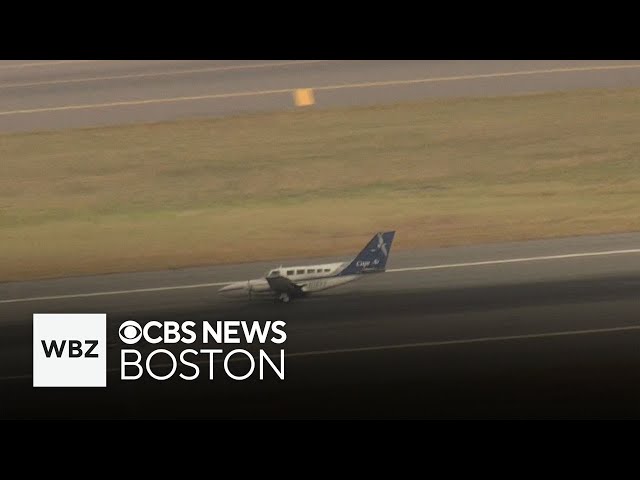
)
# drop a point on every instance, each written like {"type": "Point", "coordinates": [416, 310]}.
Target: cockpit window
{"type": "Point", "coordinates": [327, 270]}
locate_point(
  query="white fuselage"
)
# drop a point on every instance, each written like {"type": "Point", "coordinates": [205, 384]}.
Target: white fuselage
{"type": "Point", "coordinates": [312, 278]}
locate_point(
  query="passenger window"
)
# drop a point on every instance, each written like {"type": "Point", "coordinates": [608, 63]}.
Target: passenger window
{"type": "Point", "coordinates": [300, 272]}
{"type": "Point", "coordinates": [311, 270]}
{"type": "Point", "coordinates": [289, 272]}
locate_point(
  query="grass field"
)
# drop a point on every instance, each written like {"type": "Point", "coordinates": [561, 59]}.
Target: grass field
{"type": "Point", "coordinates": [316, 182]}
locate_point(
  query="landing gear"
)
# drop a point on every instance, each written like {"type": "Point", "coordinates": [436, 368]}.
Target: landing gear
{"type": "Point", "coordinates": [284, 298]}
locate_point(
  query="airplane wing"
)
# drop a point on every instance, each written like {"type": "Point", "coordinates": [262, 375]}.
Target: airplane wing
{"type": "Point", "coordinates": [283, 285]}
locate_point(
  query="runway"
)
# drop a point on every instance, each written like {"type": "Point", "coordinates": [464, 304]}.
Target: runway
{"type": "Point", "coordinates": [53, 95]}
{"type": "Point", "coordinates": [552, 336]}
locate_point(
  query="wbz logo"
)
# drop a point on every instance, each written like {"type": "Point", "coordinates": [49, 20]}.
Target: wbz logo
{"type": "Point", "coordinates": [75, 348]}
{"type": "Point", "coordinates": [69, 350]}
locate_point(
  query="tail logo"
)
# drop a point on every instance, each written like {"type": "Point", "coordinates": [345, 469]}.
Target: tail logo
{"type": "Point", "coordinates": [381, 245]}
{"type": "Point", "coordinates": [373, 257]}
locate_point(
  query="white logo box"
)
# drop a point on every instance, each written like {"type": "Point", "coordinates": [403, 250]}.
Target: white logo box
{"type": "Point", "coordinates": [75, 359]}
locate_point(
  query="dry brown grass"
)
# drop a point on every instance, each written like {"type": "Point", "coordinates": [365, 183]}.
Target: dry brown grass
{"type": "Point", "coordinates": [318, 182]}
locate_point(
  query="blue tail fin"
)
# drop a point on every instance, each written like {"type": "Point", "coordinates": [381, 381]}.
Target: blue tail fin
{"type": "Point", "coordinates": [373, 258]}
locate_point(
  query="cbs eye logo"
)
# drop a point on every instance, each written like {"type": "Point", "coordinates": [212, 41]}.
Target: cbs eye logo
{"type": "Point", "coordinates": [130, 332]}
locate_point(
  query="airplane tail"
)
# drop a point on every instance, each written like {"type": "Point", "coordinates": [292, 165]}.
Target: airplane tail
{"type": "Point", "coordinates": [373, 258]}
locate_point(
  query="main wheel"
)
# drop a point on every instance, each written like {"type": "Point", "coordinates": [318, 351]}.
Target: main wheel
{"type": "Point", "coordinates": [284, 298]}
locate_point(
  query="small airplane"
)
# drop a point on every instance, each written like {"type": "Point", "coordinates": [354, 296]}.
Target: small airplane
{"type": "Point", "coordinates": [286, 283]}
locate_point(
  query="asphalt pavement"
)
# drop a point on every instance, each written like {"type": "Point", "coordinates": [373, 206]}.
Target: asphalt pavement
{"type": "Point", "coordinates": [54, 95]}
{"type": "Point", "coordinates": [543, 329]}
